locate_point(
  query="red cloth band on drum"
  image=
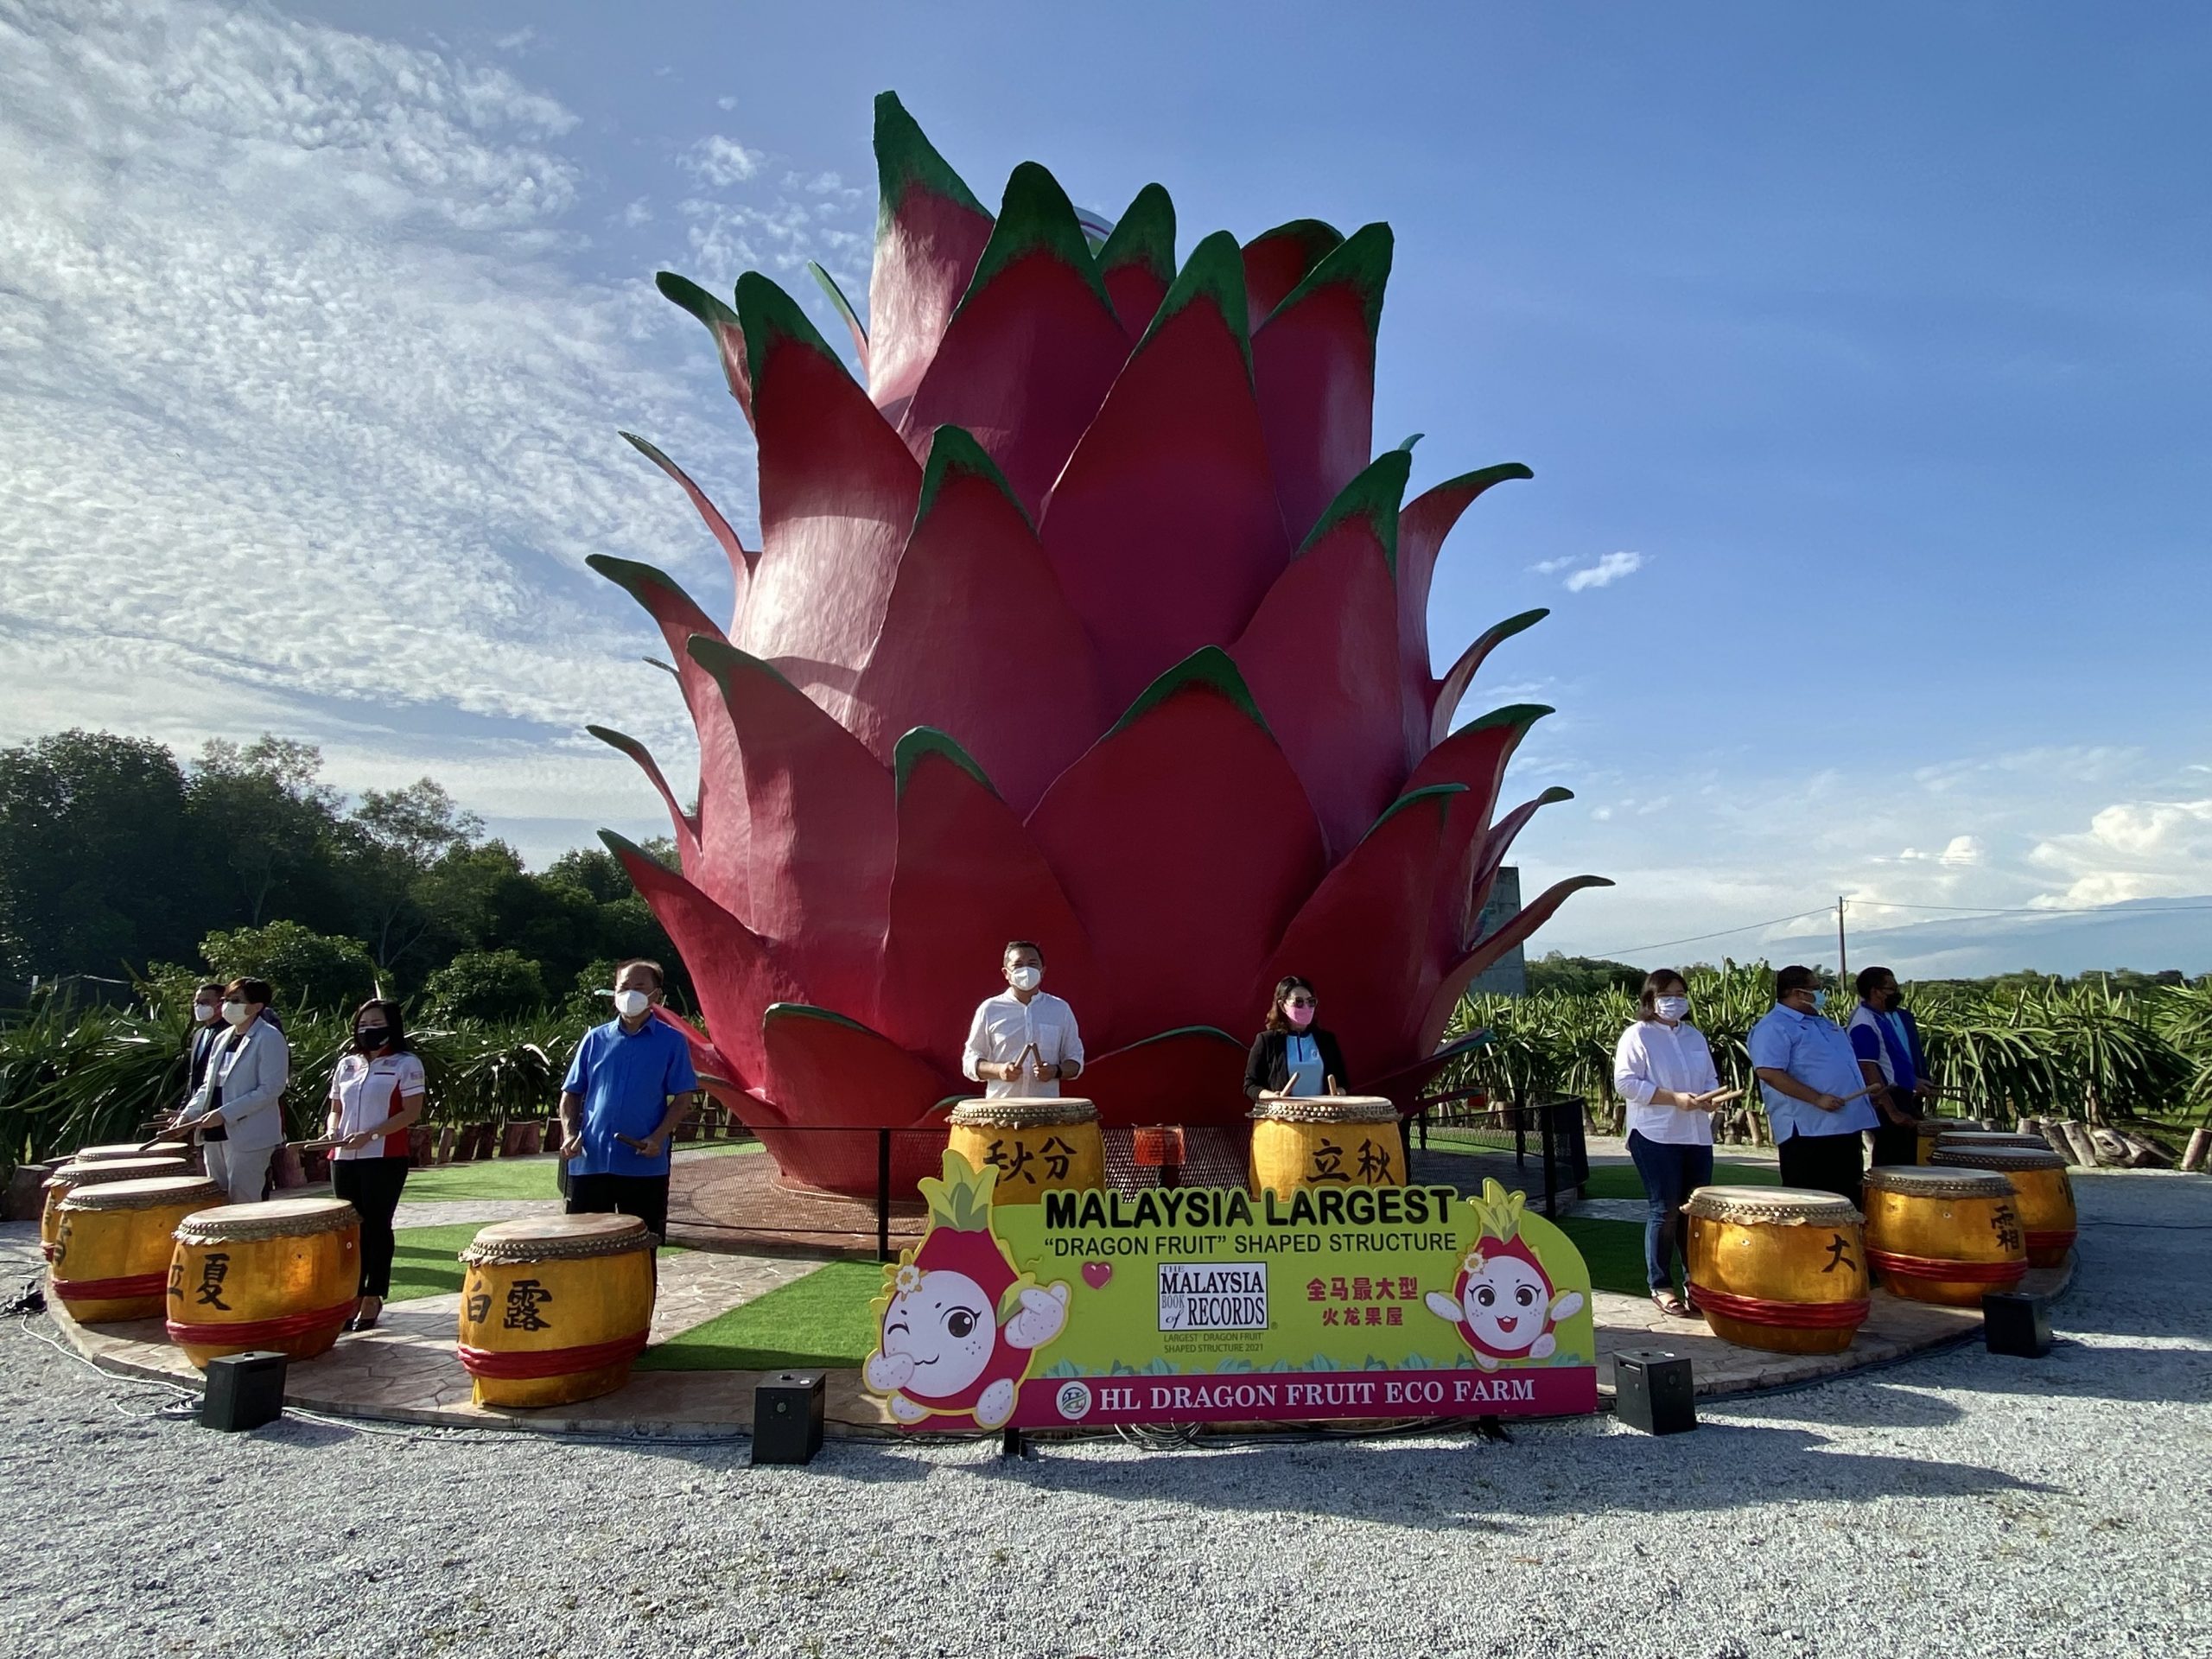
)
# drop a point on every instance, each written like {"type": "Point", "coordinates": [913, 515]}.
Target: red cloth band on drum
{"type": "Point", "coordinates": [512, 1365]}
{"type": "Point", "coordinates": [1758, 1310]}
{"type": "Point", "coordinates": [112, 1290]}
{"type": "Point", "coordinates": [253, 1332]}
{"type": "Point", "coordinates": [2061, 1241]}
{"type": "Point", "coordinates": [1931, 1267]}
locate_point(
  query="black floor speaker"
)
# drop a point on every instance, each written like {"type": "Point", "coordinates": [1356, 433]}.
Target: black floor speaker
{"type": "Point", "coordinates": [244, 1391]}
{"type": "Point", "coordinates": [1652, 1391]}
{"type": "Point", "coordinates": [787, 1417]}
{"type": "Point", "coordinates": [2013, 1322]}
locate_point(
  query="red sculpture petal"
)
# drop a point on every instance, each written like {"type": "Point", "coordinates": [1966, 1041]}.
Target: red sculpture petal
{"type": "Point", "coordinates": [1476, 756]}
{"type": "Point", "coordinates": [843, 308]}
{"type": "Point", "coordinates": [1164, 527]}
{"type": "Point", "coordinates": [968, 878]}
{"type": "Point", "coordinates": [1373, 999]}
{"type": "Point", "coordinates": [1405, 1084]}
{"type": "Point", "coordinates": [1027, 357]}
{"type": "Point", "coordinates": [682, 826]}
{"type": "Point", "coordinates": [837, 493]}
{"type": "Point", "coordinates": [741, 562]}
{"type": "Point", "coordinates": [975, 589]}
{"type": "Point", "coordinates": [1138, 261]}
{"type": "Point", "coordinates": [1180, 936]}
{"type": "Point", "coordinates": [1276, 260]}
{"type": "Point", "coordinates": [1421, 530]}
{"type": "Point", "coordinates": [721, 324]}
{"type": "Point", "coordinates": [736, 972]}
{"type": "Point", "coordinates": [821, 823]}
{"type": "Point", "coordinates": [1445, 698]}
{"type": "Point", "coordinates": [827, 1069]}
{"type": "Point", "coordinates": [1500, 839]}
{"type": "Point", "coordinates": [1323, 639]}
{"type": "Point", "coordinates": [1487, 951]}
{"type": "Point", "coordinates": [930, 231]}
{"type": "Point", "coordinates": [1192, 1075]}
{"type": "Point", "coordinates": [1314, 362]}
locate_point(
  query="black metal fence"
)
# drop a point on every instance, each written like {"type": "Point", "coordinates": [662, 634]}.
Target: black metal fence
{"type": "Point", "coordinates": [1467, 1120]}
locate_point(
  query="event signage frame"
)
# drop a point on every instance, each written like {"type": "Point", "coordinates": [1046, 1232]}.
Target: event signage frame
{"type": "Point", "coordinates": [1196, 1305]}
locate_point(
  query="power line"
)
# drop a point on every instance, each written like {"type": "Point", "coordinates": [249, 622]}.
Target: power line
{"type": "Point", "coordinates": [1697, 939]}
{"type": "Point", "coordinates": [1623, 952]}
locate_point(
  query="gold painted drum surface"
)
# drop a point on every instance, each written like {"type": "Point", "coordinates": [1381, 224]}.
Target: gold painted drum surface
{"type": "Point", "coordinates": [553, 1311]}
{"type": "Point", "coordinates": [1942, 1235]}
{"type": "Point", "coordinates": [280, 1277]}
{"type": "Point", "coordinates": [1326, 1140]}
{"type": "Point", "coordinates": [111, 1251]}
{"type": "Point", "coordinates": [1038, 1145]}
{"type": "Point", "coordinates": [67, 1179]}
{"type": "Point", "coordinates": [1778, 1268]}
{"type": "Point", "coordinates": [2040, 1184]}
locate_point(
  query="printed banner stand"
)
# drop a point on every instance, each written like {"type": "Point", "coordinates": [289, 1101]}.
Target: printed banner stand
{"type": "Point", "coordinates": [1199, 1305]}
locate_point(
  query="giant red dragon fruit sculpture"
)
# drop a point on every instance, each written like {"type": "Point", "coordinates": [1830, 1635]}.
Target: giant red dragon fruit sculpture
{"type": "Point", "coordinates": [1091, 619]}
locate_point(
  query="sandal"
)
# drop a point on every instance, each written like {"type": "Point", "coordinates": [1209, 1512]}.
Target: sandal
{"type": "Point", "coordinates": [1671, 1304]}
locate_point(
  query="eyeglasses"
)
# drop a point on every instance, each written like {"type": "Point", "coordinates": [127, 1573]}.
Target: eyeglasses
{"type": "Point", "coordinates": [1297, 1002]}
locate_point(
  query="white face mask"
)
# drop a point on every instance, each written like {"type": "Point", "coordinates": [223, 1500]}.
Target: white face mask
{"type": "Point", "coordinates": [1026, 977]}
{"type": "Point", "coordinates": [631, 1004]}
{"type": "Point", "coordinates": [205, 1012]}
{"type": "Point", "coordinates": [235, 1013]}
{"type": "Point", "coordinates": [1672, 1007]}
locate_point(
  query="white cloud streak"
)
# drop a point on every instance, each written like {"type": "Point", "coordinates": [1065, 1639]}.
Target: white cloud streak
{"type": "Point", "coordinates": [1604, 574]}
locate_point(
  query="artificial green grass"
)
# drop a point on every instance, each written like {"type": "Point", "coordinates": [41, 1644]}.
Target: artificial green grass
{"type": "Point", "coordinates": [512, 1178]}
{"type": "Point", "coordinates": [1612, 1250]}
{"type": "Point", "coordinates": [1621, 1180]}
{"type": "Point", "coordinates": [823, 1319]}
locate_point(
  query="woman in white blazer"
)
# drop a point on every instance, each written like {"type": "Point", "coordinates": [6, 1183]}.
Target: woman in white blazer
{"type": "Point", "coordinates": [237, 1113]}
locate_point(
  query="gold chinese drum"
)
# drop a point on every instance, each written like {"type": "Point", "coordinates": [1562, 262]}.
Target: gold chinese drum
{"type": "Point", "coordinates": [1934, 1130]}
{"type": "Point", "coordinates": [1326, 1140]}
{"type": "Point", "coordinates": [1968, 1139]}
{"type": "Point", "coordinates": [1037, 1146]}
{"type": "Point", "coordinates": [1778, 1268]}
{"type": "Point", "coordinates": [1948, 1236]}
{"type": "Point", "coordinates": [280, 1277]}
{"type": "Point", "coordinates": [111, 1245]}
{"type": "Point", "coordinates": [118, 1149]}
{"type": "Point", "coordinates": [554, 1310]}
{"type": "Point", "coordinates": [67, 1179]}
{"type": "Point", "coordinates": [2044, 1192]}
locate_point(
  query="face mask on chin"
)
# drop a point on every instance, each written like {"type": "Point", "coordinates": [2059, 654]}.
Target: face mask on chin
{"type": "Point", "coordinates": [1027, 978]}
{"type": "Point", "coordinates": [631, 1004]}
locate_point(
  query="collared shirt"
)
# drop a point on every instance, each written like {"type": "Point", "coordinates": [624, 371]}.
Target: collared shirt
{"type": "Point", "coordinates": [1652, 1055]}
{"type": "Point", "coordinates": [1870, 1041]}
{"type": "Point", "coordinates": [1006, 1028]}
{"type": "Point", "coordinates": [626, 1078]}
{"type": "Point", "coordinates": [369, 1090]}
{"type": "Point", "coordinates": [1302, 1055]}
{"type": "Point", "coordinates": [1813, 1049]}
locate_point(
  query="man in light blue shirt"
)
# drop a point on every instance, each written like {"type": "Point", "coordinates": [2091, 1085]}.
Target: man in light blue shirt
{"type": "Point", "coordinates": [1807, 1073]}
{"type": "Point", "coordinates": [628, 1087]}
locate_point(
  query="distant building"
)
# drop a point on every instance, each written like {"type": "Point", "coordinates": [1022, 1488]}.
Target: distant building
{"type": "Point", "coordinates": [1508, 974]}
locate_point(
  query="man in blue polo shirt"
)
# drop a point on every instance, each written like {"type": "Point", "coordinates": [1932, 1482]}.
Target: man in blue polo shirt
{"type": "Point", "coordinates": [1807, 1072]}
{"type": "Point", "coordinates": [1887, 1043]}
{"type": "Point", "coordinates": [629, 1085]}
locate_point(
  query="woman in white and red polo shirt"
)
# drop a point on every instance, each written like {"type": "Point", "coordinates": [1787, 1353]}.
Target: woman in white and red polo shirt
{"type": "Point", "coordinates": [375, 1097]}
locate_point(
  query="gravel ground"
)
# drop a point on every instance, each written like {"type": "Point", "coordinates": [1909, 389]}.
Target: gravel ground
{"type": "Point", "coordinates": [1956, 1504]}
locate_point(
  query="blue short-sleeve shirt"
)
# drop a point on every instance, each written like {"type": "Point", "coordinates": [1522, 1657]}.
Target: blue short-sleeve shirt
{"type": "Point", "coordinates": [626, 1078]}
{"type": "Point", "coordinates": [1815, 1050]}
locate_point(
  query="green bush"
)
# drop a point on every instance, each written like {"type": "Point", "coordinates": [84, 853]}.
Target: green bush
{"type": "Point", "coordinates": [306, 968]}
{"type": "Point", "coordinates": [485, 985]}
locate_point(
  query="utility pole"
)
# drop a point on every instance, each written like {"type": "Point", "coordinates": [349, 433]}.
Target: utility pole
{"type": "Point", "coordinates": [1842, 955]}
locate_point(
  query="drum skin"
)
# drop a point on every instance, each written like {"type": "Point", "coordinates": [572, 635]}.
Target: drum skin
{"type": "Point", "coordinates": [277, 1278]}
{"type": "Point", "coordinates": [1326, 1140]}
{"type": "Point", "coordinates": [67, 1179]}
{"type": "Point", "coordinates": [1039, 1147]}
{"type": "Point", "coordinates": [1778, 1268]}
{"type": "Point", "coordinates": [111, 1250]}
{"type": "Point", "coordinates": [2043, 1189]}
{"type": "Point", "coordinates": [554, 1310]}
{"type": "Point", "coordinates": [1933, 1129]}
{"type": "Point", "coordinates": [1946, 1236]}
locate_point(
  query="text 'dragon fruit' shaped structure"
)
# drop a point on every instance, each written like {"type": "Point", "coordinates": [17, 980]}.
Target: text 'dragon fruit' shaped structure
{"type": "Point", "coordinates": [1091, 619]}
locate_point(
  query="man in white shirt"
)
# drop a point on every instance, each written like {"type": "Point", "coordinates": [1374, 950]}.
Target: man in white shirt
{"type": "Point", "coordinates": [1023, 1043]}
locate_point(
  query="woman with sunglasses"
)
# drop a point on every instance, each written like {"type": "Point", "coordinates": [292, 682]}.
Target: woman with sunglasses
{"type": "Point", "coordinates": [1292, 1055]}
{"type": "Point", "coordinates": [375, 1098]}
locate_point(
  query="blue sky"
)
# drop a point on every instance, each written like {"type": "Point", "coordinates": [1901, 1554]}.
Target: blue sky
{"type": "Point", "coordinates": [1861, 355]}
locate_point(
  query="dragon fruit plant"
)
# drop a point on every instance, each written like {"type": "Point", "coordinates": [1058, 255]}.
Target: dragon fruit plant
{"type": "Point", "coordinates": [1089, 617]}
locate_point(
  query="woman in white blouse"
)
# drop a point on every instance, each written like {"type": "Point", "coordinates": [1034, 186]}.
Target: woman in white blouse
{"type": "Point", "coordinates": [376, 1098]}
{"type": "Point", "coordinates": [1663, 1070]}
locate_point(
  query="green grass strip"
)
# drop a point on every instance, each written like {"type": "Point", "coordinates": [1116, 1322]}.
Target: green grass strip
{"type": "Point", "coordinates": [1621, 1180]}
{"type": "Point", "coordinates": [1613, 1251]}
{"type": "Point", "coordinates": [513, 1177]}
{"type": "Point", "coordinates": [823, 1319]}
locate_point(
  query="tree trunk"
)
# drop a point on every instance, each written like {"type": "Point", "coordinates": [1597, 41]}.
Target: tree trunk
{"type": "Point", "coordinates": [2200, 1146]}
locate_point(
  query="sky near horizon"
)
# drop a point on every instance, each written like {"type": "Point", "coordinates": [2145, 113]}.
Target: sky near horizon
{"type": "Point", "coordinates": [1862, 358]}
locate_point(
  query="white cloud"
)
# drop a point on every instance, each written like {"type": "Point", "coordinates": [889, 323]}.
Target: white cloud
{"type": "Point", "coordinates": [726, 102]}
{"type": "Point", "coordinates": [2132, 849]}
{"type": "Point", "coordinates": [1963, 850]}
{"type": "Point", "coordinates": [1550, 566]}
{"type": "Point", "coordinates": [720, 162]}
{"type": "Point", "coordinates": [1607, 571]}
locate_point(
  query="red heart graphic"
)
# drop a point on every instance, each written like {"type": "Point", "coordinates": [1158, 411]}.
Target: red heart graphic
{"type": "Point", "coordinates": [1096, 1274]}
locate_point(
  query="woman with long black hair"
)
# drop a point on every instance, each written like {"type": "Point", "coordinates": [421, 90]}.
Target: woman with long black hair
{"type": "Point", "coordinates": [1292, 1055]}
{"type": "Point", "coordinates": [376, 1095]}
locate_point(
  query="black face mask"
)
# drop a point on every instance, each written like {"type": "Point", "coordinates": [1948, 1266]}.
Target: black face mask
{"type": "Point", "coordinates": [1893, 1001]}
{"type": "Point", "coordinates": [369, 1039]}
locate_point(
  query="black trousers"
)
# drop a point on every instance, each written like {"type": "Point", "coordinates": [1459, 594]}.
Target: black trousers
{"type": "Point", "coordinates": [1825, 1163]}
{"type": "Point", "coordinates": [371, 1185]}
{"type": "Point", "coordinates": [1898, 1143]}
{"type": "Point", "coordinates": [645, 1197]}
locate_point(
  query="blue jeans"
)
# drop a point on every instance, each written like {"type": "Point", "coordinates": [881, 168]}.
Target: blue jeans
{"type": "Point", "coordinates": [1670, 1173]}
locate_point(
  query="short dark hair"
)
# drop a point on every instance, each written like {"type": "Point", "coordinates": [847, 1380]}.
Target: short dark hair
{"type": "Point", "coordinates": [250, 990]}
{"type": "Point", "coordinates": [1795, 977]}
{"type": "Point", "coordinates": [660, 979]}
{"type": "Point", "coordinates": [1655, 986]}
{"type": "Point", "coordinates": [1284, 987]}
{"type": "Point", "coordinates": [1869, 978]}
{"type": "Point", "coordinates": [1013, 945]}
{"type": "Point", "coordinates": [207, 985]}
{"type": "Point", "coordinates": [390, 1010]}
